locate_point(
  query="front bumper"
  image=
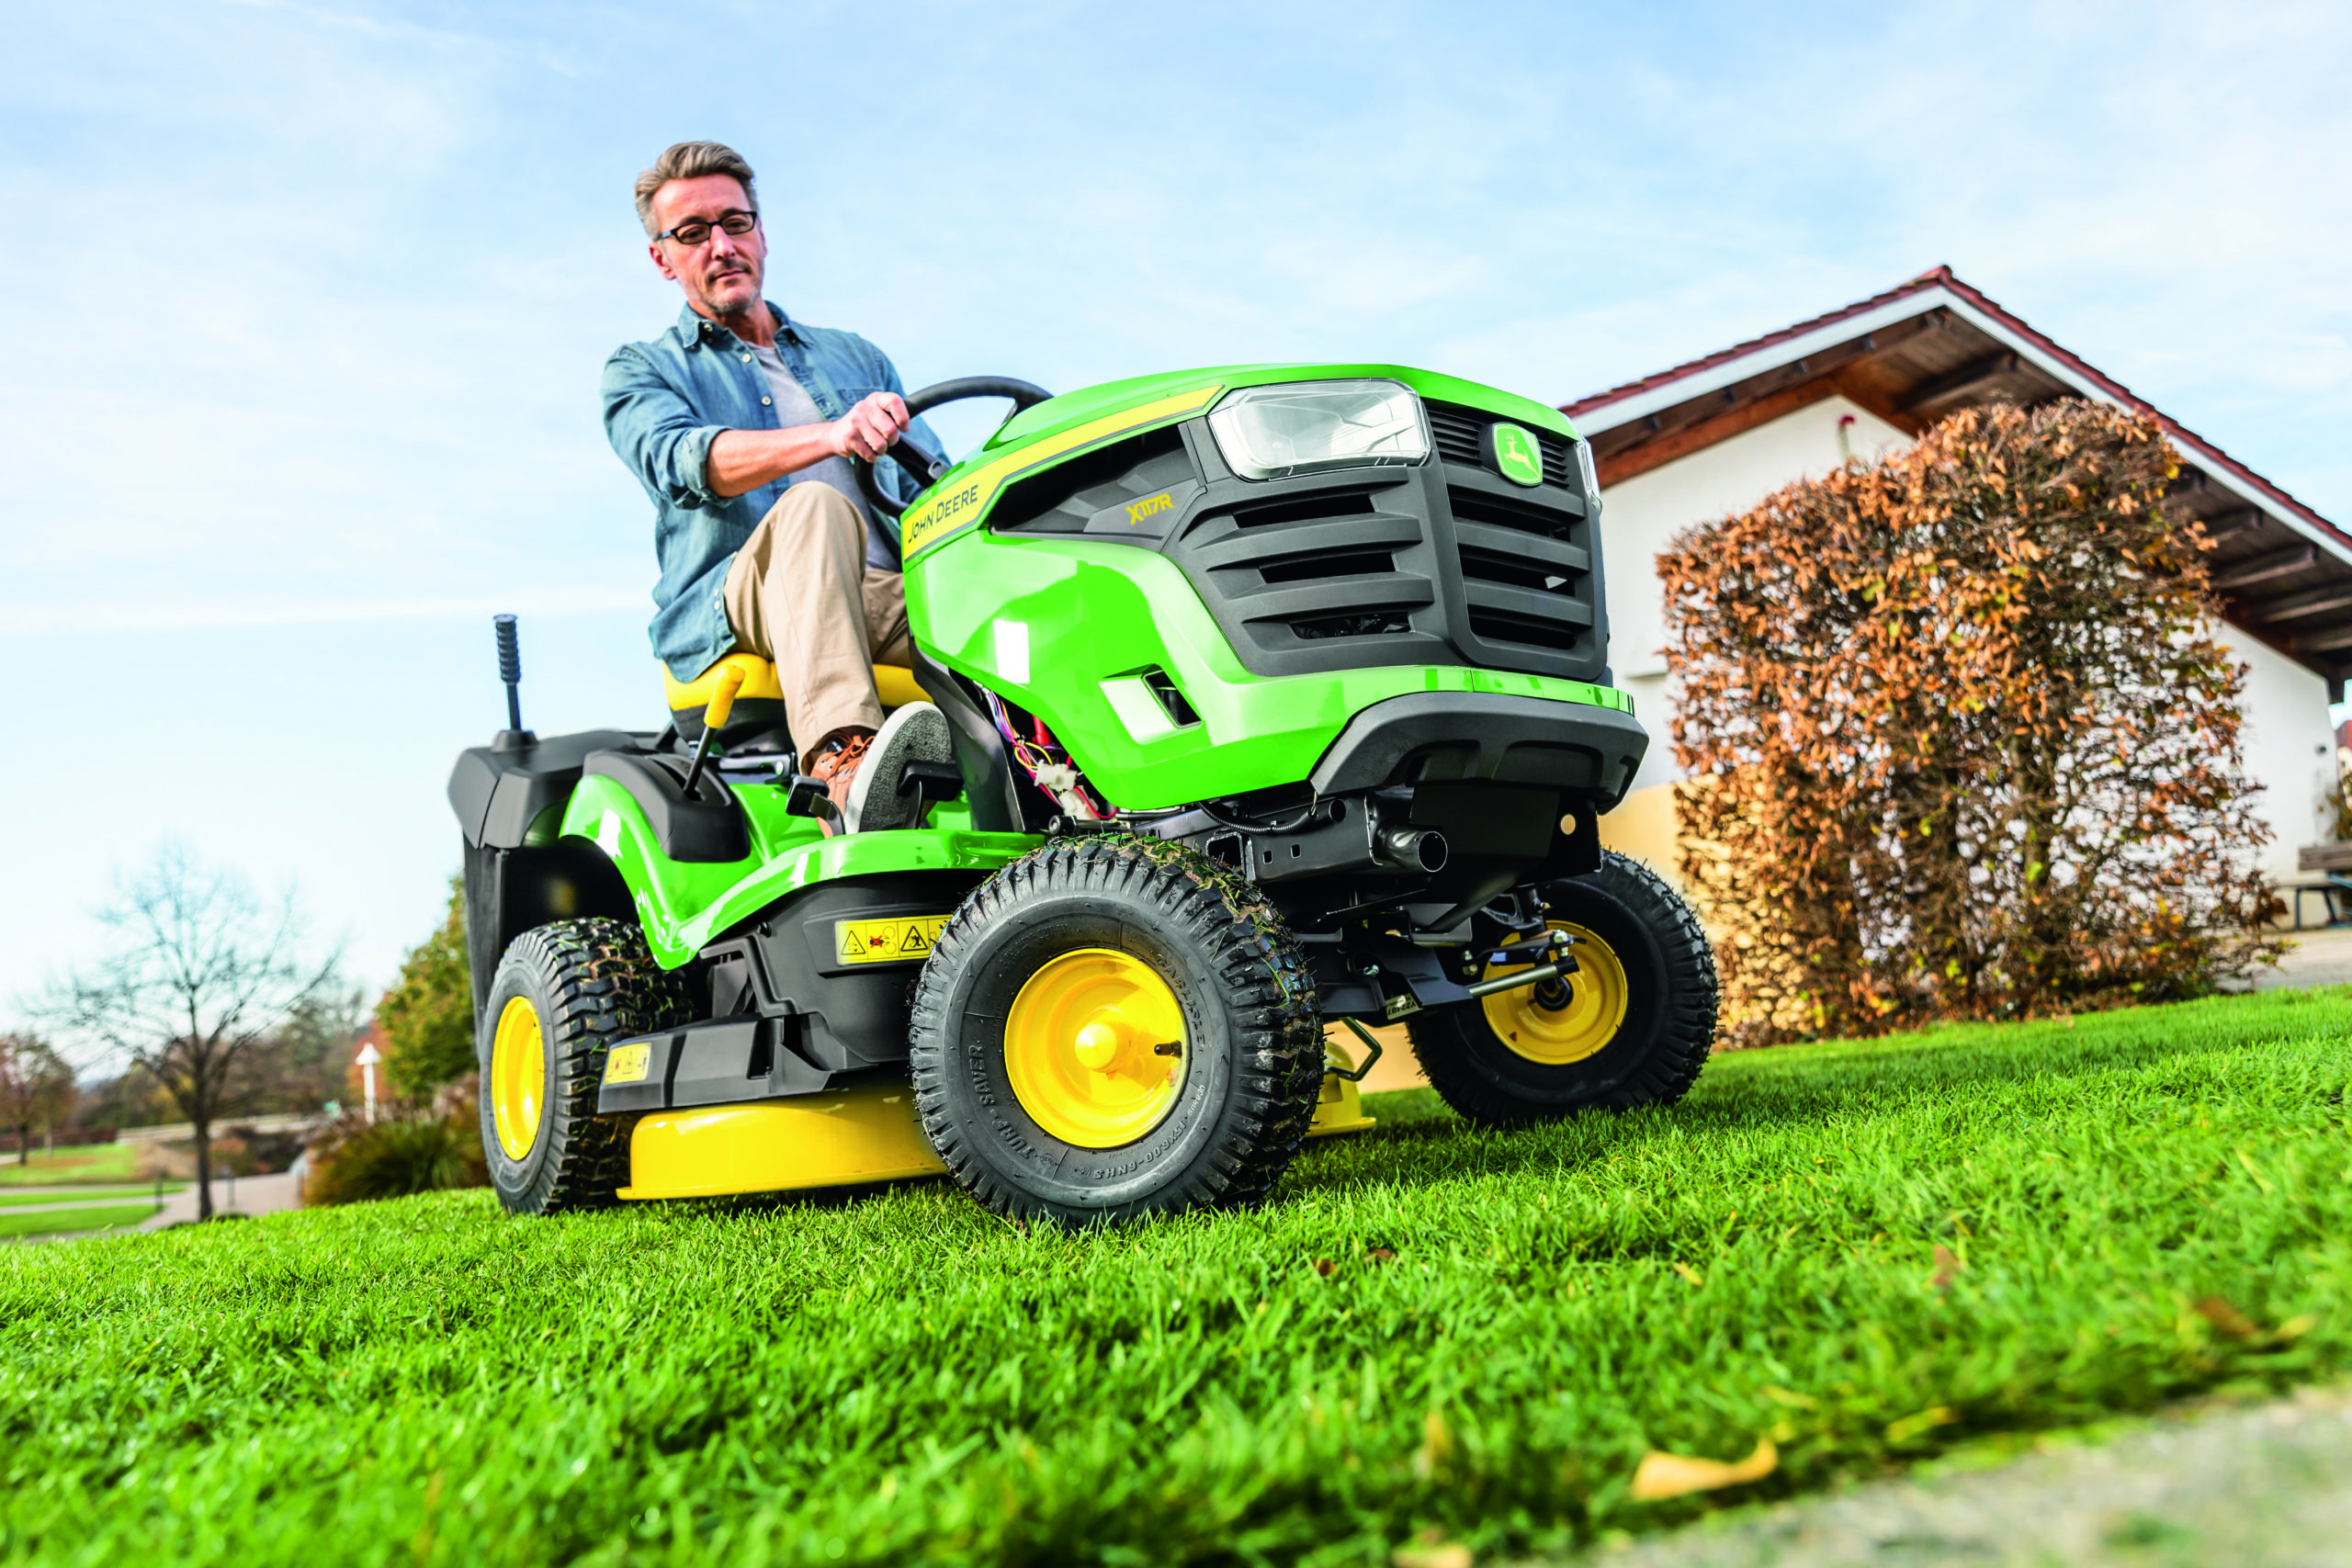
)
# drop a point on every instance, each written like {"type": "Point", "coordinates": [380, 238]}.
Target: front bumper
{"type": "Point", "coordinates": [1589, 754]}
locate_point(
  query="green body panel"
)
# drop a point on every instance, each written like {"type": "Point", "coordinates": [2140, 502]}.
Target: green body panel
{"type": "Point", "coordinates": [1099, 614]}
{"type": "Point", "coordinates": [684, 907]}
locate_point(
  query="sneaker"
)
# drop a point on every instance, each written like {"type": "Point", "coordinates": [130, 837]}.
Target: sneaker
{"type": "Point", "coordinates": [837, 767]}
{"type": "Point", "coordinates": [915, 733]}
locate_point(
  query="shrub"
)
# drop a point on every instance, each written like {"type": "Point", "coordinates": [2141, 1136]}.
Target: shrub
{"type": "Point", "coordinates": [415, 1149]}
{"type": "Point", "coordinates": [1958, 739]}
{"type": "Point", "coordinates": [428, 1016]}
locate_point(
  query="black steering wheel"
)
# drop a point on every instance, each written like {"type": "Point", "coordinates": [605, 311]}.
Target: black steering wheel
{"type": "Point", "coordinates": [922, 466]}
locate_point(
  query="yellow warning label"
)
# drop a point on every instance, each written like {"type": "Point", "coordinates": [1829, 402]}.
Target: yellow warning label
{"type": "Point", "coordinates": [628, 1064]}
{"type": "Point", "coordinates": [900, 940]}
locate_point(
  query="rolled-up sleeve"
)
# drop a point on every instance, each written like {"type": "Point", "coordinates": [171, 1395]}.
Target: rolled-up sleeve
{"type": "Point", "coordinates": [656, 433]}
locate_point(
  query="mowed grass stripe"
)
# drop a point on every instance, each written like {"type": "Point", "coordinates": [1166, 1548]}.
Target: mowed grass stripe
{"type": "Point", "coordinates": [84, 1163]}
{"type": "Point", "coordinates": [1506, 1323]}
{"type": "Point", "coordinates": [83, 1194]}
{"type": "Point", "coordinates": [82, 1217]}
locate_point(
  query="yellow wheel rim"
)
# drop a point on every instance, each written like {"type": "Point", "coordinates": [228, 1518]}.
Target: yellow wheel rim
{"type": "Point", "coordinates": [1086, 1046]}
{"type": "Point", "coordinates": [518, 1078]}
{"type": "Point", "coordinates": [1566, 1019]}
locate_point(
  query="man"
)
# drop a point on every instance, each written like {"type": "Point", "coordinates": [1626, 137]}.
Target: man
{"type": "Point", "coordinates": [741, 422]}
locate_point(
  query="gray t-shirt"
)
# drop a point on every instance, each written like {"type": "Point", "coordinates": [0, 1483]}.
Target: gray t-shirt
{"type": "Point", "coordinates": [794, 407]}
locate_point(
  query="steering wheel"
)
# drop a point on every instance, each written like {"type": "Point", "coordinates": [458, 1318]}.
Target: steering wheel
{"type": "Point", "coordinates": [910, 457]}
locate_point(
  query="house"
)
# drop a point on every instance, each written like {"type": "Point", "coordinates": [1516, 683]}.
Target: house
{"type": "Point", "coordinates": [1714, 436]}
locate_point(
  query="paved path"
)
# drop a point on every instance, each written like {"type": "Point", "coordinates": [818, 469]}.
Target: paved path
{"type": "Point", "coordinates": [2269, 1487]}
{"type": "Point", "coordinates": [2318, 958]}
{"type": "Point", "coordinates": [241, 1195]}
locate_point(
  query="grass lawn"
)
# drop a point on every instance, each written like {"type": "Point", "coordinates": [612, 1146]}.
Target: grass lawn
{"type": "Point", "coordinates": [1429, 1329]}
{"type": "Point", "coordinates": [81, 1217]}
{"type": "Point", "coordinates": [93, 1162]}
{"type": "Point", "coordinates": [95, 1194]}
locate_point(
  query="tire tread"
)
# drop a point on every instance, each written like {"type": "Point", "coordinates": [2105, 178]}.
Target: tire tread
{"type": "Point", "coordinates": [1686, 1036]}
{"type": "Point", "coordinates": [1279, 1049]}
{"type": "Point", "coordinates": [605, 987]}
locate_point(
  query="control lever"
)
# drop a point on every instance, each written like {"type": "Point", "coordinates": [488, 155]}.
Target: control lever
{"type": "Point", "coordinates": [807, 797]}
{"type": "Point", "coordinates": [930, 783]}
{"type": "Point", "coordinates": [510, 670]}
{"type": "Point", "coordinates": [1360, 1032]}
{"type": "Point", "coordinates": [722, 703]}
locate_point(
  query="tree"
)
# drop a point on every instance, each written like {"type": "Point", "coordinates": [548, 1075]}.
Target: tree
{"type": "Point", "coordinates": [1958, 739]}
{"type": "Point", "coordinates": [36, 1089]}
{"type": "Point", "coordinates": [428, 1015]}
{"type": "Point", "coordinates": [300, 1066]}
{"type": "Point", "coordinates": [201, 973]}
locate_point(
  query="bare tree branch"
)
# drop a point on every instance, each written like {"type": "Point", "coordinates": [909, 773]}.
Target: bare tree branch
{"type": "Point", "coordinates": [200, 973]}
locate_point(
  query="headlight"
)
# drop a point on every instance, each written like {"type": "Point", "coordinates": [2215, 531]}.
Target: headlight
{"type": "Point", "coordinates": [1271, 433]}
{"type": "Point", "coordinates": [1591, 475]}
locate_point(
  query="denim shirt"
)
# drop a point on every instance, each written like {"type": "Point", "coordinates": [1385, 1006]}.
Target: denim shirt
{"type": "Point", "coordinates": [666, 401]}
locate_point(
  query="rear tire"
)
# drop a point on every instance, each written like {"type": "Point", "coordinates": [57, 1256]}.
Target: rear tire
{"type": "Point", "coordinates": [1038, 1051]}
{"type": "Point", "coordinates": [562, 995]}
{"type": "Point", "coordinates": [1632, 1027]}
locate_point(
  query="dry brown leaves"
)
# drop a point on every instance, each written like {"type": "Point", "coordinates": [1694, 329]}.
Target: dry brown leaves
{"type": "Point", "coordinates": [1958, 738]}
{"type": "Point", "coordinates": [1662, 1476]}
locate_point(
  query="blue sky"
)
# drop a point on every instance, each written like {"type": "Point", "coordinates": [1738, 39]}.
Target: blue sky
{"type": "Point", "coordinates": [299, 339]}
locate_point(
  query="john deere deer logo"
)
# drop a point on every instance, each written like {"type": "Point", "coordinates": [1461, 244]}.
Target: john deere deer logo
{"type": "Point", "coordinates": [1517, 456]}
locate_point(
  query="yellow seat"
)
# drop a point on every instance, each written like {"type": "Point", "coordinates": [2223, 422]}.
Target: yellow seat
{"type": "Point", "coordinates": [895, 683]}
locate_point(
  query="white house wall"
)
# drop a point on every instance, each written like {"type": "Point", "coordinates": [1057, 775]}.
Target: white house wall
{"type": "Point", "coordinates": [2288, 739]}
{"type": "Point", "coordinates": [2289, 748]}
{"type": "Point", "coordinates": [1640, 517]}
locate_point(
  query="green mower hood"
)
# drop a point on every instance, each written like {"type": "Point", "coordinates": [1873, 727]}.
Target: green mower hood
{"type": "Point", "coordinates": [1048, 432]}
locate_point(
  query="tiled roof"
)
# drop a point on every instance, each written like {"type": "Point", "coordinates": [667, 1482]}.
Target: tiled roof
{"type": "Point", "coordinates": [1941, 281]}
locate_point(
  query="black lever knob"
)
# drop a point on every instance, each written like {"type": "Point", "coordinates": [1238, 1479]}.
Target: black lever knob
{"type": "Point", "coordinates": [510, 669]}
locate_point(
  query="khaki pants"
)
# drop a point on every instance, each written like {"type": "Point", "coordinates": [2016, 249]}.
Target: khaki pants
{"type": "Point", "coordinates": [800, 593]}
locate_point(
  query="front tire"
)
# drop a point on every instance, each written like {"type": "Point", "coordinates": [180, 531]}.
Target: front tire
{"type": "Point", "coordinates": [1631, 1027]}
{"type": "Point", "coordinates": [562, 995]}
{"type": "Point", "coordinates": [1113, 1028]}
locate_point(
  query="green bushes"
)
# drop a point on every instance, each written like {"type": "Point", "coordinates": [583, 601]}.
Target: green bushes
{"type": "Point", "coordinates": [428, 1016]}
{"type": "Point", "coordinates": [409, 1151]}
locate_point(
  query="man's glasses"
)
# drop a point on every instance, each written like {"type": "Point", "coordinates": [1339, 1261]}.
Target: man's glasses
{"type": "Point", "coordinates": [695, 233]}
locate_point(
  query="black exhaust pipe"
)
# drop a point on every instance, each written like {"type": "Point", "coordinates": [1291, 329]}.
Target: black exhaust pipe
{"type": "Point", "coordinates": [1415, 848]}
{"type": "Point", "coordinates": [1350, 841]}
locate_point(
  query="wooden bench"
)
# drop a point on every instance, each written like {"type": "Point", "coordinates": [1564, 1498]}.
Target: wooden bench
{"type": "Point", "coordinates": [2335, 887]}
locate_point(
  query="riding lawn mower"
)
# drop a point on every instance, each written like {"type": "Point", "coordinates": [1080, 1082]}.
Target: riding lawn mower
{"type": "Point", "coordinates": [1275, 697]}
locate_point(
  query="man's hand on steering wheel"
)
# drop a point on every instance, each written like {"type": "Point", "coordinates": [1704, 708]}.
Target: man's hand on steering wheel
{"type": "Point", "coordinates": [867, 430]}
{"type": "Point", "coordinates": [918, 465]}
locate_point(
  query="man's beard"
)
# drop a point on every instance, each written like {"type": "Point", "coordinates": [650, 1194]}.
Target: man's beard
{"type": "Point", "coordinates": [734, 294]}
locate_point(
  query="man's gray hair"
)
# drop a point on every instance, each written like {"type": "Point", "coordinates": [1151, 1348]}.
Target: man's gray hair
{"type": "Point", "coordinates": [691, 161]}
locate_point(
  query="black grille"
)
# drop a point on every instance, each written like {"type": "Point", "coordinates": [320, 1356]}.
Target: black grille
{"type": "Point", "coordinates": [1525, 576]}
{"type": "Point", "coordinates": [1461, 438]}
{"type": "Point", "coordinates": [1324, 566]}
{"type": "Point", "coordinates": [1444, 562]}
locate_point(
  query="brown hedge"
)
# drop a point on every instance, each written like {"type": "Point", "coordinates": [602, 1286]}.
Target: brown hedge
{"type": "Point", "coordinates": [1958, 740]}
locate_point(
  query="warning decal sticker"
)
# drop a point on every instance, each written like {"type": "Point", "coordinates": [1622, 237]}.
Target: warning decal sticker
{"type": "Point", "coordinates": [905, 939]}
{"type": "Point", "coordinates": [628, 1064]}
